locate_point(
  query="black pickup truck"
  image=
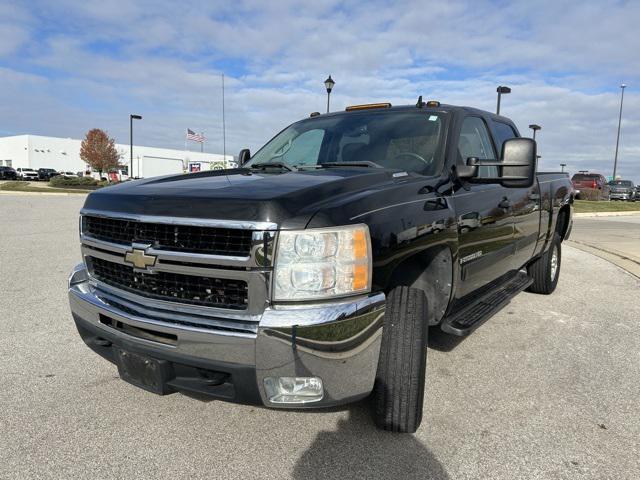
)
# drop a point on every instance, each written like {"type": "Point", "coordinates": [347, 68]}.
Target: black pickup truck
{"type": "Point", "coordinates": [309, 276]}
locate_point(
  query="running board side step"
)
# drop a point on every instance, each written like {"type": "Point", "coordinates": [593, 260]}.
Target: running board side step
{"type": "Point", "coordinates": [465, 321]}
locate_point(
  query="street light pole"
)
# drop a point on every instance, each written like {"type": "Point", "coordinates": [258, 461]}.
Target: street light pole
{"type": "Point", "coordinates": [535, 128]}
{"type": "Point", "coordinates": [563, 165]}
{"type": "Point", "coordinates": [132, 117]}
{"type": "Point", "coordinates": [615, 158]}
{"type": "Point", "coordinates": [329, 83]}
{"type": "Point", "coordinates": [501, 89]}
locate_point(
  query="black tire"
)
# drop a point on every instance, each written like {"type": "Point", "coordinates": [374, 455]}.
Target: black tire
{"type": "Point", "coordinates": [399, 385]}
{"type": "Point", "coordinates": [545, 278]}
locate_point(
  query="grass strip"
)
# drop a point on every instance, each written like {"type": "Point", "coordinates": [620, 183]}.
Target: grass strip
{"type": "Point", "coordinates": [25, 187]}
{"type": "Point", "coordinates": [586, 206]}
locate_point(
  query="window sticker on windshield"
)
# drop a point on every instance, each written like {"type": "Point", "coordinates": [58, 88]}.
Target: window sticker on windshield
{"type": "Point", "coordinates": [433, 118]}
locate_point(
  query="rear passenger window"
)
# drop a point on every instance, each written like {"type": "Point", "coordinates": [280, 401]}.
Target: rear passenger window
{"type": "Point", "coordinates": [475, 142]}
{"type": "Point", "coordinates": [502, 133]}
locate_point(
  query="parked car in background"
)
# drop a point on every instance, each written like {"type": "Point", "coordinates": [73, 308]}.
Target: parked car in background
{"type": "Point", "coordinates": [7, 173]}
{"type": "Point", "coordinates": [27, 174]}
{"type": "Point", "coordinates": [623, 190]}
{"type": "Point", "coordinates": [68, 175]}
{"type": "Point", "coordinates": [594, 181]}
{"type": "Point", "coordinates": [46, 174]}
{"type": "Point", "coordinates": [113, 175]}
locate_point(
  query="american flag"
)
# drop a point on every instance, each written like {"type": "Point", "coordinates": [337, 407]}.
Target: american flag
{"type": "Point", "coordinates": [196, 137]}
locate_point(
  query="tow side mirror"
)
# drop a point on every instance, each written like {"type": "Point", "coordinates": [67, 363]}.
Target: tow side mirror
{"type": "Point", "coordinates": [519, 162]}
{"type": "Point", "coordinates": [518, 165]}
{"type": "Point", "coordinates": [244, 156]}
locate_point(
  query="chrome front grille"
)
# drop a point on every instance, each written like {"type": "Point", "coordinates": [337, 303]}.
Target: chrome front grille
{"type": "Point", "coordinates": [165, 236]}
{"type": "Point", "coordinates": [154, 315]}
{"type": "Point", "coordinates": [191, 289]}
{"type": "Point", "coordinates": [200, 271]}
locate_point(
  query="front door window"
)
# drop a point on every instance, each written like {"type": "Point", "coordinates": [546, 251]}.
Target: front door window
{"type": "Point", "coordinates": [475, 142]}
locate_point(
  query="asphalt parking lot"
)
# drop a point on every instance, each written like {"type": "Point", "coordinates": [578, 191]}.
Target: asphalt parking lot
{"type": "Point", "coordinates": [615, 238]}
{"type": "Point", "coordinates": [548, 388]}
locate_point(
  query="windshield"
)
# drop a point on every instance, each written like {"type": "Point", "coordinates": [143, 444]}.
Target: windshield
{"type": "Point", "coordinates": [410, 141]}
{"type": "Point", "coordinates": [622, 183]}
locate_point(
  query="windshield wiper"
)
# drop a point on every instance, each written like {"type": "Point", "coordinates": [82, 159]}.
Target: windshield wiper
{"type": "Point", "coordinates": [273, 165]}
{"type": "Point", "coordinates": [363, 163]}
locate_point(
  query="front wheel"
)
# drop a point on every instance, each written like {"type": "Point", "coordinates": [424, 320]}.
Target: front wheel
{"type": "Point", "coordinates": [400, 378]}
{"type": "Point", "coordinates": [545, 271]}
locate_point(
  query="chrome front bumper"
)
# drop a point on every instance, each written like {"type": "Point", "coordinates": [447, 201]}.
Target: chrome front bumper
{"type": "Point", "coordinates": [337, 341]}
{"type": "Point", "coordinates": [619, 196]}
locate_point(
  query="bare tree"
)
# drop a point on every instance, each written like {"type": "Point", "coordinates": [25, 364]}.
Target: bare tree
{"type": "Point", "coordinates": [99, 151]}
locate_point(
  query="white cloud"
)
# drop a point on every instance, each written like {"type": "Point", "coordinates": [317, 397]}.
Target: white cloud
{"type": "Point", "coordinates": [11, 38]}
{"type": "Point", "coordinates": [14, 29]}
{"type": "Point", "coordinates": [95, 62]}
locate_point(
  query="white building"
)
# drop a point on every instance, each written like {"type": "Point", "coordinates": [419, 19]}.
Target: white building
{"type": "Point", "coordinates": [63, 154]}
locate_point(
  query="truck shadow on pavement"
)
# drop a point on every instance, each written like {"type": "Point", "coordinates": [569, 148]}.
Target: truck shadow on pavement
{"type": "Point", "coordinates": [357, 449]}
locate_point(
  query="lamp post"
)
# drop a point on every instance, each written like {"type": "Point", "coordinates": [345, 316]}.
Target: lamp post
{"type": "Point", "coordinates": [535, 128]}
{"type": "Point", "coordinates": [563, 165]}
{"type": "Point", "coordinates": [501, 90]}
{"type": "Point", "coordinates": [132, 117]}
{"type": "Point", "coordinates": [615, 158]}
{"type": "Point", "coordinates": [329, 83]}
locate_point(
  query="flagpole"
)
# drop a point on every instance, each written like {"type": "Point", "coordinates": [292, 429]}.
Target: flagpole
{"type": "Point", "coordinates": [224, 133]}
{"type": "Point", "coordinates": [202, 143]}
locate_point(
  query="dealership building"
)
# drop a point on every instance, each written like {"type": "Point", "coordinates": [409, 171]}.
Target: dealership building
{"type": "Point", "coordinates": [63, 154]}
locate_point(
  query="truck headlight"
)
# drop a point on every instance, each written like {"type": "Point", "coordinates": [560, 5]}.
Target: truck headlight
{"type": "Point", "coordinates": [322, 263]}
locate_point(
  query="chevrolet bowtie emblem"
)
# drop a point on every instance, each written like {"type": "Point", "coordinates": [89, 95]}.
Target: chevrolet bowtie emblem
{"type": "Point", "coordinates": [139, 259]}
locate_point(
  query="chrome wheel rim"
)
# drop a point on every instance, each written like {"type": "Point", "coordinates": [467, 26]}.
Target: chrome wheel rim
{"type": "Point", "coordinates": [554, 263]}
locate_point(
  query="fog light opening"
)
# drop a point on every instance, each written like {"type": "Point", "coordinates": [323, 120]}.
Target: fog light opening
{"type": "Point", "coordinates": [294, 390]}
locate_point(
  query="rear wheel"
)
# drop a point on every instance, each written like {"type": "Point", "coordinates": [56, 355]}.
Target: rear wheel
{"type": "Point", "coordinates": [545, 271]}
{"type": "Point", "coordinates": [400, 379]}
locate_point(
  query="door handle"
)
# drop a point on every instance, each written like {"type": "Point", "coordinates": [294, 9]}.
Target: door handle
{"type": "Point", "coordinates": [505, 204]}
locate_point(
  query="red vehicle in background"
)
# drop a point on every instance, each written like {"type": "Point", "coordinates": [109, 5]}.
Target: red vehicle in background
{"type": "Point", "coordinates": [592, 181]}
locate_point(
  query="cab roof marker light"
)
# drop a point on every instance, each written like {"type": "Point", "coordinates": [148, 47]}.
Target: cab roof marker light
{"type": "Point", "coordinates": [367, 106]}
{"type": "Point", "coordinates": [433, 103]}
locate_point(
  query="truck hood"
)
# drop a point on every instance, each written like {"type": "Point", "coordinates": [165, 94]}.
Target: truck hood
{"type": "Point", "coordinates": [287, 199]}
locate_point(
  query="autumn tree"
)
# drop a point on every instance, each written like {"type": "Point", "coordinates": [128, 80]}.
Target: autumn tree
{"type": "Point", "coordinates": [99, 151]}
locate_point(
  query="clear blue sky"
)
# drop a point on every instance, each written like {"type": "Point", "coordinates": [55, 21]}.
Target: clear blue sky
{"type": "Point", "coordinates": [67, 66]}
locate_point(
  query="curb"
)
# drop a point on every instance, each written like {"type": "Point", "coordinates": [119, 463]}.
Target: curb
{"type": "Point", "coordinates": [620, 260]}
{"type": "Point", "coordinates": [8, 192]}
{"type": "Point", "coordinates": [606, 214]}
